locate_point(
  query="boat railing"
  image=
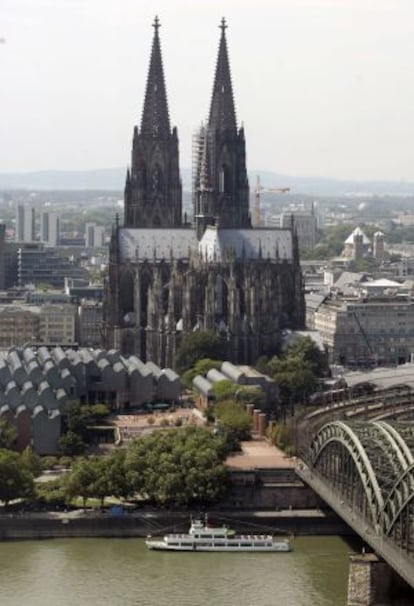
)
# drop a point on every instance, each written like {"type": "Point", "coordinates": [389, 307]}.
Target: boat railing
{"type": "Point", "coordinates": [243, 537]}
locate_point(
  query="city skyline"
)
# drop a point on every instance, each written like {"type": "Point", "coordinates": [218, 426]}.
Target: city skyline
{"type": "Point", "coordinates": [320, 85]}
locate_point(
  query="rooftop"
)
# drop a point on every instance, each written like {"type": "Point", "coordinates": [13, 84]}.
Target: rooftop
{"type": "Point", "coordinates": [383, 378]}
{"type": "Point", "coordinates": [358, 232]}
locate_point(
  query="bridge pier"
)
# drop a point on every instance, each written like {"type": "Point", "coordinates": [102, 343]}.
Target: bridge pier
{"type": "Point", "coordinates": [372, 582]}
{"type": "Point", "coordinates": [369, 581]}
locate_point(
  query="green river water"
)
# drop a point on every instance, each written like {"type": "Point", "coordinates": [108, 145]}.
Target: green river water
{"type": "Point", "coordinates": [122, 572]}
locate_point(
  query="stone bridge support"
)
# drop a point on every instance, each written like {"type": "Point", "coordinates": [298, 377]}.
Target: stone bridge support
{"type": "Point", "coordinates": [372, 582]}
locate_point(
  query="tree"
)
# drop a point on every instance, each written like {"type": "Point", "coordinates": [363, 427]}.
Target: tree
{"type": "Point", "coordinates": [77, 418]}
{"type": "Point", "coordinates": [296, 371]}
{"type": "Point", "coordinates": [400, 234]}
{"type": "Point", "coordinates": [52, 493]}
{"type": "Point", "coordinates": [178, 466]}
{"type": "Point", "coordinates": [98, 478]}
{"type": "Point", "coordinates": [196, 346]}
{"type": "Point", "coordinates": [294, 377]}
{"type": "Point", "coordinates": [16, 481]}
{"type": "Point", "coordinates": [311, 353]}
{"type": "Point", "coordinates": [8, 434]}
{"type": "Point", "coordinates": [108, 477]}
{"type": "Point", "coordinates": [118, 478]}
{"type": "Point", "coordinates": [201, 367]}
{"type": "Point", "coordinates": [234, 422]}
{"type": "Point", "coordinates": [98, 412]}
{"type": "Point", "coordinates": [78, 483]}
{"type": "Point", "coordinates": [77, 421]}
{"type": "Point", "coordinates": [225, 390]}
{"type": "Point", "coordinates": [49, 462]}
{"type": "Point", "coordinates": [251, 394]}
{"type": "Point", "coordinates": [32, 461]}
{"type": "Point", "coordinates": [71, 444]}
{"type": "Point", "coordinates": [100, 486]}
{"type": "Point", "coordinates": [363, 265]}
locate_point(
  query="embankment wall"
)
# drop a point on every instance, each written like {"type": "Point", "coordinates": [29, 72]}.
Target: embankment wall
{"type": "Point", "coordinates": [97, 524]}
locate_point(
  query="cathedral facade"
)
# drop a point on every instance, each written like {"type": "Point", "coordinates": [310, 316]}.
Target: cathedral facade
{"type": "Point", "coordinates": [168, 278]}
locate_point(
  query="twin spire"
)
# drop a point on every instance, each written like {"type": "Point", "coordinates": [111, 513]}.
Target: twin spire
{"type": "Point", "coordinates": [153, 194]}
{"type": "Point", "coordinates": [222, 114]}
{"type": "Point", "coordinates": [155, 117]}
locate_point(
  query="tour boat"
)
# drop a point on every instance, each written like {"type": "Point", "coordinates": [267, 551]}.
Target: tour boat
{"type": "Point", "coordinates": [202, 536]}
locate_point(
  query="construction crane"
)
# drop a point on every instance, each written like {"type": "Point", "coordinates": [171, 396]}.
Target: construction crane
{"type": "Point", "coordinates": [257, 219]}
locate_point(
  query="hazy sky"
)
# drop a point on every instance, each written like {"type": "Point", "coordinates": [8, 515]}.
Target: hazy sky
{"type": "Point", "coordinates": [323, 87]}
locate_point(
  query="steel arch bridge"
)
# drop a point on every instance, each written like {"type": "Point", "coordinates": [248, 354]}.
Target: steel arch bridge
{"type": "Point", "coordinates": [365, 471]}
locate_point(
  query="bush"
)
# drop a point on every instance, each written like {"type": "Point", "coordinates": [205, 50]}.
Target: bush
{"type": "Point", "coordinates": [66, 462]}
{"type": "Point", "coordinates": [51, 493]}
{"type": "Point", "coordinates": [32, 461]}
{"type": "Point", "coordinates": [8, 435]}
{"type": "Point", "coordinates": [164, 422]}
{"type": "Point", "coordinates": [281, 436]}
{"type": "Point", "coordinates": [224, 390]}
{"type": "Point", "coordinates": [151, 420]}
{"type": "Point", "coordinates": [232, 416]}
{"type": "Point", "coordinates": [234, 423]}
{"type": "Point", "coordinates": [250, 394]}
{"type": "Point", "coordinates": [71, 444]}
{"type": "Point", "coordinates": [99, 412]}
{"type": "Point", "coordinates": [290, 450]}
{"type": "Point", "coordinates": [49, 462]}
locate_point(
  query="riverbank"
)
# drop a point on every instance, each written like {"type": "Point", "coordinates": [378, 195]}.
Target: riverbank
{"type": "Point", "coordinates": [94, 524]}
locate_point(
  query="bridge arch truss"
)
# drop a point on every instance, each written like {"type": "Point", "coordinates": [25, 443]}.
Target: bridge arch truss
{"type": "Point", "coordinates": [370, 465]}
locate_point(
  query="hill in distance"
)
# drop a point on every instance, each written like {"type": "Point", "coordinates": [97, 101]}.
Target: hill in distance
{"type": "Point", "coordinates": [114, 179]}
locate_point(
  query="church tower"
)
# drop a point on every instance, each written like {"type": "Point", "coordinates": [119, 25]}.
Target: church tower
{"type": "Point", "coordinates": [243, 283]}
{"type": "Point", "coordinates": [152, 195]}
{"type": "Point", "coordinates": [221, 188]}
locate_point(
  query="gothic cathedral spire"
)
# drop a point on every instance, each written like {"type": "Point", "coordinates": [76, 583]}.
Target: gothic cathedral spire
{"type": "Point", "coordinates": [155, 119]}
{"type": "Point", "coordinates": [221, 148]}
{"type": "Point", "coordinates": [153, 192]}
{"type": "Point", "coordinates": [222, 114]}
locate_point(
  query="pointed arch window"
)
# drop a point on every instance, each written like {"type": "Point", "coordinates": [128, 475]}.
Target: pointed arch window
{"type": "Point", "coordinates": [126, 296]}
{"type": "Point", "coordinates": [225, 179]}
{"type": "Point", "coordinates": [221, 298]}
{"type": "Point", "coordinates": [145, 285]}
{"type": "Point", "coordinates": [141, 176]}
{"type": "Point", "coordinates": [157, 179]}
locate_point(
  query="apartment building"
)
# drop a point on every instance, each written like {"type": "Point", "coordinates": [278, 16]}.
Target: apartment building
{"type": "Point", "coordinates": [19, 324]}
{"type": "Point", "coordinates": [90, 318]}
{"type": "Point", "coordinates": [57, 324]}
{"type": "Point", "coordinates": [367, 330]}
{"type": "Point", "coordinates": [27, 324]}
{"type": "Point", "coordinates": [49, 228]}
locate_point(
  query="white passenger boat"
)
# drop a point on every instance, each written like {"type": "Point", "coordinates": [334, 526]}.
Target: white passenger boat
{"type": "Point", "coordinates": [203, 536]}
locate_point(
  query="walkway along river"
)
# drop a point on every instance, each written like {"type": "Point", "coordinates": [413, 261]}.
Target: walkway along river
{"type": "Point", "coordinates": [91, 524]}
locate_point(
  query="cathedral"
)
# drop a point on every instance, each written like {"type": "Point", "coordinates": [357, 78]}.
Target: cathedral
{"type": "Point", "coordinates": [169, 277]}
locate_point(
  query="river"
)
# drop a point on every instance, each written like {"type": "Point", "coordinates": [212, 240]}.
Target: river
{"type": "Point", "coordinates": [122, 572]}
